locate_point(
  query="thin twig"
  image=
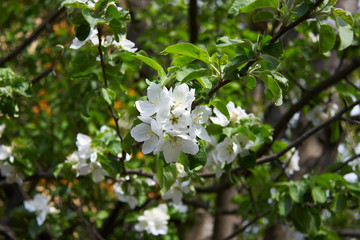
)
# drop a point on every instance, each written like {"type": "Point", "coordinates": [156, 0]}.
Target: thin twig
{"type": "Point", "coordinates": [50, 69]}
{"type": "Point", "coordinates": [254, 220]}
{"type": "Point", "coordinates": [285, 29]}
{"type": "Point", "coordinates": [32, 37]}
{"type": "Point", "coordinates": [345, 163]}
{"type": "Point", "coordinates": [306, 135]}
{"type": "Point", "coordinates": [306, 98]}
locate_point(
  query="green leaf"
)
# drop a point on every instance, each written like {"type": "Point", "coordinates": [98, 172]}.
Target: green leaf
{"type": "Point", "coordinates": [297, 190]}
{"type": "Point", "coordinates": [327, 38]}
{"type": "Point", "coordinates": [306, 219]}
{"type": "Point", "coordinates": [94, 21]}
{"type": "Point", "coordinates": [273, 61]}
{"type": "Point", "coordinates": [197, 161]}
{"type": "Point", "coordinates": [181, 61]}
{"type": "Point", "coordinates": [108, 95]}
{"type": "Point", "coordinates": [263, 16]}
{"type": "Point", "coordinates": [23, 88]}
{"type": "Point", "coordinates": [86, 103]}
{"type": "Point", "coordinates": [248, 161]}
{"type": "Point", "coordinates": [191, 71]}
{"type": "Point", "coordinates": [251, 5]}
{"type": "Point", "coordinates": [345, 32]}
{"type": "Point", "coordinates": [274, 88]}
{"type": "Point", "coordinates": [165, 174]}
{"type": "Point", "coordinates": [152, 63]}
{"type": "Point", "coordinates": [221, 107]}
{"type": "Point", "coordinates": [205, 82]}
{"type": "Point", "coordinates": [273, 49]}
{"type": "Point", "coordinates": [74, 4]}
{"type": "Point", "coordinates": [318, 194]}
{"type": "Point", "coordinates": [339, 203]}
{"type": "Point", "coordinates": [126, 144]}
{"type": "Point", "coordinates": [285, 205]}
{"type": "Point", "coordinates": [111, 10]}
{"type": "Point", "coordinates": [190, 50]}
{"type": "Point", "coordinates": [250, 81]}
{"type": "Point", "coordinates": [231, 69]}
{"type": "Point", "coordinates": [226, 42]}
{"type": "Point", "coordinates": [82, 31]}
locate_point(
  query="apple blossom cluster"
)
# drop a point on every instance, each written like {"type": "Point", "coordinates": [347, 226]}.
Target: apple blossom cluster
{"type": "Point", "coordinates": [128, 196]}
{"type": "Point", "coordinates": [84, 160]}
{"type": "Point", "coordinates": [320, 113]}
{"type": "Point", "coordinates": [168, 124]}
{"type": "Point", "coordinates": [236, 115]}
{"type": "Point", "coordinates": [7, 169]}
{"type": "Point", "coordinates": [41, 207]}
{"type": "Point", "coordinates": [293, 164]}
{"type": "Point", "coordinates": [178, 189]}
{"type": "Point", "coordinates": [154, 221]}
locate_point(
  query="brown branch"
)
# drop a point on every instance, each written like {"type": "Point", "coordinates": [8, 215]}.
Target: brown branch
{"type": "Point", "coordinates": [32, 37]}
{"type": "Point", "coordinates": [50, 69]}
{"type": "Point", "coordinates": [251, 222]}
{"type": "Point", "coordinates": [306, 135]}
{"type": "Point", "coordinates": [192, 15]}
{"type": "Point", "coordinates": [139, 172]}
{"type": "Point", "coordinates": [306, 98]}
{"type": "Point", "coordinates": [348, 233]}
{"type": "Point", "coordinates": [304, 17]}
{"type": "Point", "coordinates": [345, 163]}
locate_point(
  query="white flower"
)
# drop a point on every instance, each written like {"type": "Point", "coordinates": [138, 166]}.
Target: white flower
{"type": "Point", "coordinates": [227, 150]}
{"type": "Point", "coordinates": [150, 182]}
{"type": "Point", "coordinates": [293, 165]}
{"type": "Point", "coordinates": [245, 144]}
{"type": "Point", "coordinates": [181, 207]}
{"type": "Point", "coordinates": [175, 193]}
{"type": "Point", "coordinates": [92, 37]}
{"type": "Point", "coordinates": [154, 221]}
{"type": "Point", "coordinates": [2, 128]}
{"type": "Point", "coordinates": [150, 134]}
{"type": "Point", "coordinates": [122, 44]}
{"type": "Point", "coordinates": [127, 198]}
{"type": "Point", "coordinates": [10, 173]}
{"type": "Point", "coordinates": [212, 157]}
{"type": "Point", "coordinates": [199, 116]}
{"type": "Point", "coordinates": [5, 153]}
{"type": "Point", "coordinates": [174, 145]}
{"type": "Point", "coordinates": [182, 97]}
{"type": "Point", "coordinates": [127, 156]}
{"type": "Point", "coordinates": [236, 114]}
{"type": "Point", "coordinates": [40, 205]}
{"type": "Point", "coordinates": [180, 170]}
{"type": "Point", "coordinates": [83, 143]}
{"type": "Point", "coordinates": [351, 177]}
{"type": "Point", "coordinates": [319, 114]}
{"type": "Point", "coordinates": [158, 98]}
{"type": "Point", "coordinates": [220, 118]}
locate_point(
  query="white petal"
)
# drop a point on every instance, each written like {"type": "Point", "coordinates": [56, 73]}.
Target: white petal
{"type": "Point", "coordinates": [190, 147]}
{"type": "Point", "coordinates": [150, 145]}
{"type": "Point", "coordinates": [76, 43]}
{"type": "Point", "coordinates": [171, 154]}
{"type": "Point", "coordinates": [200, 131]}
{"type": "Point", "coordinates": [220, 118]}
{"type": "Point", "coordinates": [145, 108]}
{"type": "Point", "coordinates": [141, 132]}
{"type": "Point", "coordinates": [154, 93]}
{"type": "Point", "coordinates": [40, 219]}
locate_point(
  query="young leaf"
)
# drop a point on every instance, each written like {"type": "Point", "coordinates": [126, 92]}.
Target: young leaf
{"type": "Point", "coordinates": [82, 31]}
{"type": "Point", "coordinates": [205, 82]}
{"type": "Point", "coordinates": [345, 32]}
{"type": "Point", "coordinates": [108, 95]}
{"type": "Point", "coordinates": [318, 194]}
{"type": "Point", "coordinates": [197, 161]}
{"type": "Point", "coordinates": [285, 205]}
{"type": "Point", "coordinates": [226, 42]}
{"type": "Point", "coordinates": [263, 16]}
{"type": "Point", "coordinates": [86, 103]}
{"type": "Point", "coordinates": [181, 61]}
{"type": "Point", "coordinates": [94, 21]}
{"type": "Point", "coordinates": [165, 174]}
{"type": "Point", "coordinates": [74, 4]}
{"type": "Point", "coordinates": [151, 63]}
{"type": "Point", "coordinates": [191, 71]}
{"type": "Point", "coordinates": [327, 38]}
{"type": "Point", "coordinates": [251, 5]}
{"type": "Point", "coordinates": [190, 50]}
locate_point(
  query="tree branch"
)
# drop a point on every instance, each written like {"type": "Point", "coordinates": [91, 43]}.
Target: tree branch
{"type": "Point", "coordinates": [304, 17]}
{"type": "Point", "coordinates": [306, 98]}
{"type": "Point", "coordinates": [251, 222]}
{"type": "Point", "coordinates": [32, 37]}
{"type": "Point", "coordinates": [50, 69]}
{"type": "Point", "coordinates": [306, 135]}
